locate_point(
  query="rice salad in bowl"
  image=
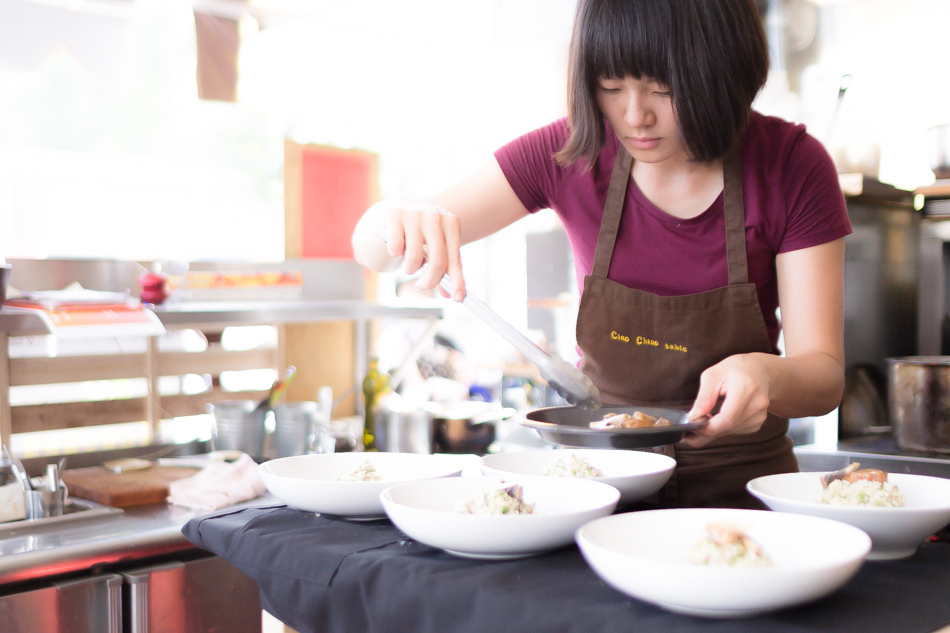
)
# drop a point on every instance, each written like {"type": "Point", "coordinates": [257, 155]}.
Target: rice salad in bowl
{"type": "Point", "coordinates": [853, 487]}
{"type": "Point", "coordinates": [348, 484]}
{"type": "Point", "coordinates": [720, 562]}
{"type": "Point", "coordinates": [726, 545]}
{"type": "Point", "coordinates": [572, 465]}
{"type": "Point", "coordinates": [636, 474]}
{"type": "Point", "coordinates": [898, 512]}
{"type": "Point", "coordinates": [503, 499]}
{"type": "Point", "coordinates": [490, 518]}
{"type": "Point", "coordinates": [862, 493]}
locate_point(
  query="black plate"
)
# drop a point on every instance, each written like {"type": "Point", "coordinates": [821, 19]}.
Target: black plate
{"type": "Point", "coordinates": [570, 426]}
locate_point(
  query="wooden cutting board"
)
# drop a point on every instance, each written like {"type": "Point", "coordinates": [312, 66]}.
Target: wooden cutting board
{"type": "Point", "coordinates": [123, 490]}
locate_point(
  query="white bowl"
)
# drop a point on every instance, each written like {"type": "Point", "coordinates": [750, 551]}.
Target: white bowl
{"type": "Point", "coordinates": [640, 554]}
{"type": "Point", "coordinates": [426, 511]}
{"type": "Point", "coordinates": [309, 482]}
{"type": "Point", "coordinates": [636, 474]}
{"type": "Point", "coordinates": [895, 532]}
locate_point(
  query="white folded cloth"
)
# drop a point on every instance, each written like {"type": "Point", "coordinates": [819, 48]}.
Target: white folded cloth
{"type": "Point", "coordinates": [12, 503]}
{"type": "Point", "coordinates": [217, 485]}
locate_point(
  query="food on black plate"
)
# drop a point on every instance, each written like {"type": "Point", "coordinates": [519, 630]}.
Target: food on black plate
{"type": "Point", "coordinates": [638, 420]}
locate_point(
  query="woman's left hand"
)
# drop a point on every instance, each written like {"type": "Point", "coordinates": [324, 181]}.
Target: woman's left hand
{"type": "Point", "coordinates": [742, 382]}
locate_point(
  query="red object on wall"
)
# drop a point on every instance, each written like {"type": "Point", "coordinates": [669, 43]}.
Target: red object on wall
{"type": "Point", "coordinates": [336, 187]}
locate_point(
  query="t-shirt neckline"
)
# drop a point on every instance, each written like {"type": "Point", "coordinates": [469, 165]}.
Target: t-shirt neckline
{"type": "Point", "coordinates": [716, 208]}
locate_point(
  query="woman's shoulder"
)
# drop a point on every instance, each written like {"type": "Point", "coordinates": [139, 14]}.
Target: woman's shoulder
{"type": "Point", "coordinates": [529, 165]}
{"type": "Point", "coordinates": [775, 143]}
{"type": "Point", "coordinates": [792, 176]}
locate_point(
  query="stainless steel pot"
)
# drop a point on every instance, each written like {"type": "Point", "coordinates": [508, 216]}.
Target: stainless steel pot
{"type": "Point", "coordinates": [404, 430]}
{"type": "Point", "coordinates": [464, 427]}
{"type": "Point", "coordinates": [918, 399]}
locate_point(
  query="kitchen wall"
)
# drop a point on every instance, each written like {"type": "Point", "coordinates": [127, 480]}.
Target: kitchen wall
{"type": "Point", "coordinates": [105, 149]}
{"type": "Point", "coordinates": [893, 51]}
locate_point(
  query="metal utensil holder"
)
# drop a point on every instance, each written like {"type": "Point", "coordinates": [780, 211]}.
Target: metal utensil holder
{"type": "Point", "coordinates": [43, 502]}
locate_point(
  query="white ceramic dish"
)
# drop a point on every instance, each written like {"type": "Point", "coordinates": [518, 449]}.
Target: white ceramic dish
{"type": "Point", "coordinates": [636, 474]}
{"type": "Point", "coordinates": [895, 532]}
{"type": "Point", "coordinates": [426, 511]}
{"type": "Point", "coordinates": [640, 554]}
{"type": "Point", "coordinates": [309, 482]}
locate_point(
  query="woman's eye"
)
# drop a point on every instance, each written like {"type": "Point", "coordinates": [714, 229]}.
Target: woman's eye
{"type": "Point", "coordinates": [662, 93]}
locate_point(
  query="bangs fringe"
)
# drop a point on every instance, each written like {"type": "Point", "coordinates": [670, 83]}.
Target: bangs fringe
{"type": "Point", "coordinates": [627, 41]}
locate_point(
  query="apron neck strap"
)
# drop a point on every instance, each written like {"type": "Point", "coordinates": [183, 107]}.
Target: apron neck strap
{"type": "Point", "coordinates": [735, 216]}
{"type": "Point", "coordinates": [613, 210]}
{"type": "Point", "coordinates": [734, 207]}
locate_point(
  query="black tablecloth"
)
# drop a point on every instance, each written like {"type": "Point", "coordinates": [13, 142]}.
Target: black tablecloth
{"type": "Point", "coordinates": [325, 575]}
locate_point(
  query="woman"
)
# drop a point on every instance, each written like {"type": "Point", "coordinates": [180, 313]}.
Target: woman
{"type": "Point", "coordinates": [691, 219]}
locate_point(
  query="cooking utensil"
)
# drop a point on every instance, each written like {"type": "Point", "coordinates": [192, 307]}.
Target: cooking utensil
{"type": "Point", "coordinates": [918, 397]}
{"type": "Point", "coordinates": [52, 478]}
{"type": "Point", "coordinates": [570, 426]}
{"type": "Point", "coordinates": [566, 379]}
{"type": "Point", "coordinates": [278, 388]}
{"type": "Point", "coordinates": [325, 398]}
{"type": "Point", "coordinates": [843, 86]}
{"type": "Point", "coordinates": [18, 470]}
{"type": "Point", "coordinates": [940, 150]}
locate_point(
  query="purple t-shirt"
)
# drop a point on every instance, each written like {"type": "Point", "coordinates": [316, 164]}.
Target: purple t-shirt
{"type": "Point", "coordinates": [790, 189]}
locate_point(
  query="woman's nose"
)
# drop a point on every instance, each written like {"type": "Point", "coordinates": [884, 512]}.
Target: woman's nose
{"type": "Point", "coordinates": [637, 114]}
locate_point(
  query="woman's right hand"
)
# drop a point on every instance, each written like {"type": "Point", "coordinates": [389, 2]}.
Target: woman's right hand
{"type": "Point", "coordinates": [419, 230]}
{"type": "Point", "coordinates": [428, 237]}
{"type": "Point", "coordinates": [412, 234]}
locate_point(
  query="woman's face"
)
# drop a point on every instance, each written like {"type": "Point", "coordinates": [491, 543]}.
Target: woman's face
{"type": "Point", "coordinates": [640, 111]}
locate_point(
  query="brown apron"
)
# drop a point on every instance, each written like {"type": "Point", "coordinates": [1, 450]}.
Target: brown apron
{"type": "Point", "coordinates": [644, 349]}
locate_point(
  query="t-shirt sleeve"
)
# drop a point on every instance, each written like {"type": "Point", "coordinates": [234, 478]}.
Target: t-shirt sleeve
{"type": "Point", "coordinates": [817, 212]}
{"type": "Point", "coordinates": [528, 164]}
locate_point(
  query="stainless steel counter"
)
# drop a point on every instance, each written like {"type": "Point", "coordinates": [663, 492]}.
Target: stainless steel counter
{"type": "Point", "coordinates": [35, 550]}
{"type": "Point", "coordinates": [879, 452]}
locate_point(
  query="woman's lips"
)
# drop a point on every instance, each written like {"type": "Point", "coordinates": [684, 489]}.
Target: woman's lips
{"type": "Point", "coordinates": [643, 142]}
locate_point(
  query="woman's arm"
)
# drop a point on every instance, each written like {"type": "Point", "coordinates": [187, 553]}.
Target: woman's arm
{"type": "Point", "coordinates": [435, 228]}
{"type": "Point", "coordinates": [809, 379]}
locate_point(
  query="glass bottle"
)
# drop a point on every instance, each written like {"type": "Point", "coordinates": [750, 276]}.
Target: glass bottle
{"type": "Point", "coordinates": [375, 385]}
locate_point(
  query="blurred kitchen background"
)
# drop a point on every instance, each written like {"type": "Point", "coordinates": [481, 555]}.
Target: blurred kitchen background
{"type": "Point", "coordinates": [155, 130]}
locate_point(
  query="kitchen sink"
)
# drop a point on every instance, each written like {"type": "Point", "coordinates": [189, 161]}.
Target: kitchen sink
{"type": "Point", "coordinates": [74, 511]}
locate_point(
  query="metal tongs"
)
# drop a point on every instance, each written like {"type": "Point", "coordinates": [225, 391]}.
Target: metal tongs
{"type": "Point", "coordinates": [566, 379]}
{"type": "Point", "coordinates": [19, 472]}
